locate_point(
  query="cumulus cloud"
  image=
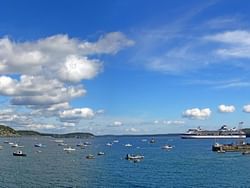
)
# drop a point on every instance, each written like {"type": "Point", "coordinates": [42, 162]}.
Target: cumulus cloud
{"type": "Point", "coordinates": [226, 109]}
{"type": "Point", "coordinates": [48, 54]}
{"type": "Point", "coordinates": [75, 114]}
{"type": "Point", "coordinates": [76, 69]}
{"type": "Point", "coordinates": [196, 113]}
{"type": "Point", "coordinates": [246, 108]}
{"type": "Point", "coordinates": [44, 75]}
{"type": "Point", "coordinates": [35, 90]}
{"type": "Point", "coordinates": [9, 116]}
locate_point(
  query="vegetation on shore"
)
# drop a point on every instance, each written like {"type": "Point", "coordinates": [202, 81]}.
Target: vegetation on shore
{"type": "Point", "coordinates": [7, 131]}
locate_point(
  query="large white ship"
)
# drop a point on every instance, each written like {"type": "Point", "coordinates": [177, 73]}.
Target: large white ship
{"type": "Point", "coordinates": [223, 132]}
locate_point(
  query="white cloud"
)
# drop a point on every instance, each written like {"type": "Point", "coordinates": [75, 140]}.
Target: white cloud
{"type": "Point", "coordinates": [35, 90]}
{"type": "Point", "coordinates": [76, 69]}
{"type": "Point", "coordinates": [246, 108]}
{"type": "Point", "coordinates": [240, 37]}
{"type": "Point", "coordinates": [169, 122]}
{"type": "Point", "coordinates": [117, 123]}
{"type": "Point", "coordinates": [48, 54]}
{"type": "Point", "coordinates": [236, 43]}
{"type": "Point", "coordinates": [44, 75]}
{"type": "Point", "coordinates": [226, 108]}
{"type": "Point", "coordinates": [40, 126]}
{"type": "Point", "coordinates": [75, 114]}
{"type": "Point", "coordinates": [196, 113]}
{"type": "Point", "coordinates": [132, 130]}
{"type": "Point", "coordinates": [109, 43]}
{"type": "Point", "coordinates": [173, 122]}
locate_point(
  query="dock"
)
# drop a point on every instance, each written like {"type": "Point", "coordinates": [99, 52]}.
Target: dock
{"type": "Point", "coordinates": [231, 147]}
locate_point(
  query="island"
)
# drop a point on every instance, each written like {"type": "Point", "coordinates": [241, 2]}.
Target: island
{"type": "Point", "coordinates": [8, 131]}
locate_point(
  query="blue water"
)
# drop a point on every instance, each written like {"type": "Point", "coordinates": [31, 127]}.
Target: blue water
{"type": "Point", "coordinates": [191, 163]}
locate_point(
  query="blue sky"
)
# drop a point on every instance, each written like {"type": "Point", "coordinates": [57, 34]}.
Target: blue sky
{"type": "Point", "coordinates": [124, 67]}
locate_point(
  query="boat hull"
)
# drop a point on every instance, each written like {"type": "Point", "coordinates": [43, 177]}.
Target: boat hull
{"type": "Point", "coordinates": [21, 155]}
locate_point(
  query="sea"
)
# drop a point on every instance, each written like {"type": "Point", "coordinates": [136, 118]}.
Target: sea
{"type": "Point", "coordinates": [190, 163]}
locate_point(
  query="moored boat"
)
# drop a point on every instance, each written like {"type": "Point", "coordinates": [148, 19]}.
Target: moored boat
{"type": "Point", "coordinates": [134, 157]}
{"type": "Point", "coordinates": [90, 156]}
{"type": "Point", "coordinates": [100, 153]}
{"type": "Point", "coordinates": [128, 145]}
{"type": "Point", "coordinates": [19, 153]}
{"type": "Point", "coordinates": [69, 149]}
{"type": "Point", "coordinates": [167, 146]}
{"type": "Point", "coordinates": [38, 145]}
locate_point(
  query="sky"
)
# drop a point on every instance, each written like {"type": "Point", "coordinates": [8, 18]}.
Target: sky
{"type": "Point", "coordinates": [124, 67]}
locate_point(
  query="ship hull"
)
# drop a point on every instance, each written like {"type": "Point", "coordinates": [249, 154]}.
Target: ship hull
{"type": "Point", "coordinates": [213, 136]}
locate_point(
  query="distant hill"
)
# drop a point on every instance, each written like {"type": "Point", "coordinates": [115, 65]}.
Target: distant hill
{"type": "Point", "coordinates": [7, 131]}
{"type": "Point", "coordinates": [68, 135]}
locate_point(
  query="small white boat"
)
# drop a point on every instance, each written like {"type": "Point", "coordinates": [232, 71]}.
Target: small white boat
{"type": "Point", "coordinates": [167, 147]}
{"type": "Point", "coordinates": [58, 141]}
{"type": "Point", "coordinates": [115, 141]}
{"type": "Point", "coordinates": [134, 157]}
{"type": "Point", "coordinates": [69, 149]}
{"type": "Point", "coordinates": [14, 145]}
{"type": "Point", "coordinates": [144, 140]}
{"type": "Point", "coordinates": [100, 153]}
{"type": "Point", "coordinates": [11, 143]}
{"type": "Point", "coordinates": [221, 151]}
{"type": "Point", "coordinates": [128, 145]}
{"type": "Point", "coordinates": [109, 144]}
{"type": "Point", "coordinates": [86, 143]}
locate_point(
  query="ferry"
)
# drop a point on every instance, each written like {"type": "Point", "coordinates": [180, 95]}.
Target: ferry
{"type": "Point", "coordinates": [223, 132]}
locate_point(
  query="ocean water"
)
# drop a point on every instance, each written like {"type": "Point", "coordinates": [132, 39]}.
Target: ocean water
{"type": "Point", "coordinates": [191, 163]}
